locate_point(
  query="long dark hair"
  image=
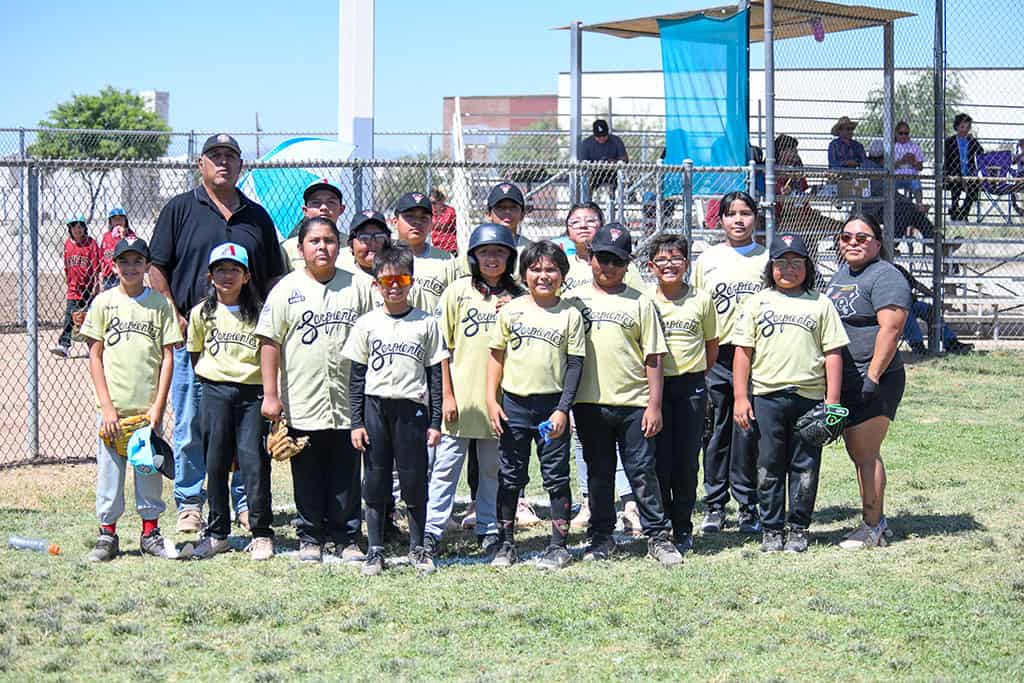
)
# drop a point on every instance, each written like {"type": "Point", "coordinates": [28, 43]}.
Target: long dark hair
{"type": "Point", "coordinates": [308, 223]}
{"type": "Point", "coordinates": [591, 206]}
{"type": "Point", "coordinates": [876, 230]}
{"type": "Point", "coordinates": [809, 273]}
{"type": "Point", "coordinates": [506, 281]}
{"type": "Point", "coordinates": [249, 302]}
{"type": "Point", "coordinates": [541, 250]}
{"type": "Point", "coordinates": [726, 201]}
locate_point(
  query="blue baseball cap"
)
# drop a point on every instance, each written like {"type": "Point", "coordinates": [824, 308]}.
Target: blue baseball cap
{"type": "Point", "coordinates": [117, 211]}
{"type": "Point", "coordinates": [229, 251]}
{"type": "Point", "coordinates": [148, 454]}
{"type": "Point", "coordinates": [77, 218]}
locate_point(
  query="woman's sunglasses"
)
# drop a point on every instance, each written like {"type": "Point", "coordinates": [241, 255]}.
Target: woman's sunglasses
{"type": "Point", "coordinates": [859, 238]}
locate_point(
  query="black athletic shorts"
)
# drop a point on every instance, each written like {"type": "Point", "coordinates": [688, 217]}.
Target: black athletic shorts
{"type": "Point", "coordinates": [885, 402]}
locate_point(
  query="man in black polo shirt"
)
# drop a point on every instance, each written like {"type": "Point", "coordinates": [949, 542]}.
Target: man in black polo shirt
{"type": "Point", "coordinates": [602, 146]}
{"type": "Point", "coordinates": [189, 227]}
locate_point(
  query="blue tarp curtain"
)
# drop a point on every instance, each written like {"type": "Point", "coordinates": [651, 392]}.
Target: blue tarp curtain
{"type": "Point", "coordinates": [705, 63]}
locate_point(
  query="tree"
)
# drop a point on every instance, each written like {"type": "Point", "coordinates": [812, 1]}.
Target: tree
{"type": "Point", "coordinates": [913, 102]}
{"type": "Point", "coordinates": [111, 109]}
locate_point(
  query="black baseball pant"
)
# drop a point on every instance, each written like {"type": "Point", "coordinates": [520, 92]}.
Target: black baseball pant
{"type": "Point", "coordinates": [325, 478]}
{"type": "Point", "coordinates": [678, 448]}
{"type": "Point", "coordinates": [730, 454]}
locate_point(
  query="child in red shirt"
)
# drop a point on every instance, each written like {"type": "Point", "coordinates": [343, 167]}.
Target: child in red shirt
{"type": "Point", "coordinates": [117, 224]}
{"type": "Point", "coordinates": [81, 271]}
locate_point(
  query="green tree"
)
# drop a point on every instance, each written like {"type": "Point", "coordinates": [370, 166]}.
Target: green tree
{"type": "Point", "coordinates": [111, 109]}
{"type": "Point", "coordinates": [914, 102]}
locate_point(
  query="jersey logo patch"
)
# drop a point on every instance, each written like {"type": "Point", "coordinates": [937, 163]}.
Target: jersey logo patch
{"type": "Point", "coordinates": [296, 297]}
{"type": "Point", "coordinates": [843, 297]}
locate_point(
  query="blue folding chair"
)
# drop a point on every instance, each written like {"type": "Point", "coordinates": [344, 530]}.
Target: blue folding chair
{"type": "Point", "coordinates": [997, 194]}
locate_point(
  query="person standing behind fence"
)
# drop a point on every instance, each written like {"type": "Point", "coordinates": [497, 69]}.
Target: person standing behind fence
{"type": "Point", "coordinates": [320, 198]}
{"type": "Point", "coordinates": [604, 147]}
{"type": "Point", "coordinates": [443, 224]}
{"type": "Point", "coordinates": [82, 265]}
{"type": "Point", "coordinates": [845, 152]}
{"type": "Point", "coordinates": [730, 272]}
{"type": "Point", "coordinates": [131, 331]}
{"type": "Point", "coordinates": [961, 154]}
{"type": "Point", "coordinates": [189, 226]}
{"type": "Point", "coordinates": [117, 229]}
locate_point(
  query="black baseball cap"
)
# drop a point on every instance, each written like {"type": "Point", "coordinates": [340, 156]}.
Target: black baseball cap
{"type": "Point", "coordinates": [126, 244]}
{"type": "Point", "coordinates": [413, 200]}
{"type": "Point", "coordinates": [221, 140]}
{"type": "Point", "coordinates": [600, 127]}
{"type": "Point", "coordinates": [321, 184]}
{"type": "Point", "coordinates": [788, 243]}
{"type": "Point", "coordinates": [365, 217]}
{"type": "Point", "coordinates": [505, 190]}
{"type": "Point", "coordinates": [614, 239]}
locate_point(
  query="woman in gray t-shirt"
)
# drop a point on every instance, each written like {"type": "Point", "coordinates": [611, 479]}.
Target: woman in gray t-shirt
{"type": "Point", "coordinates": [873, 299]}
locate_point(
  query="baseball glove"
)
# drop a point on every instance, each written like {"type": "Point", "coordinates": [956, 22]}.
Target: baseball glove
{"type": "Point", "coordinates": [128, 427]}
{"type": "Point", "coordinates": [280, 444]}
{"type": "Point", "coordinates": [822, 424]}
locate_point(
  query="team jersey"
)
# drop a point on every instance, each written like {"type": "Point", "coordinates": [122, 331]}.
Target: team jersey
{"type": "Point", "coordinates": [134, 332]}
{"type": "Point", "coordinates": [311, 322]}
{"type": "Point", "coordinates": [466, 319]}
{"type": "Point", "coordinates": [790, 335]}
{"type": "Point", "coordinates": [396, 350]}
{"type": "Point", "coordinates": [622, 330]}
{"type": "Point", "coordinates": [81, 267]}
{"type": "Point", "coordinates": [290, 254]}
{"type": "Point", "coordinates": [228, 348]}
{"type": "Point", "coordinates": [729, 277]}
{"type": "Point", "coordinates": [537, 341]}
{"type": "Point", "coordinates": [688, 323]}
{"type": "Point", "coordinates": [581, 274]}
{"type": "Point", "coordinates": [433, 271]}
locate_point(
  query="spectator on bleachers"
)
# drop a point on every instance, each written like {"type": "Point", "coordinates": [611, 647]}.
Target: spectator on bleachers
{"type": "Point", "coordinates": [907, 213]}
{"type": "Point", "coordinates": [961, 155]}
{"type": "Point", "coordinates": [844, 151]}
{"type": "Point", "coordinates": [920, 309]}
{"type": "Point", "coordinates": [909, 162]}
{"type": "Point", "coordinates": [786, 154]}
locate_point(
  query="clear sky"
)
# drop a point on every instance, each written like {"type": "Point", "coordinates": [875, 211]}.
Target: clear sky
{"type": "Point", "coordinates": [224, 61]}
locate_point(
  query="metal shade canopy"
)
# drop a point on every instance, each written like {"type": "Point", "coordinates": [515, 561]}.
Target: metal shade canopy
{"type": "Point", "coordinates": [790, 19]}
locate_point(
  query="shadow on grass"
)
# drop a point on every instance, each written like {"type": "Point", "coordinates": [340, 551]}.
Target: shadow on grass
{"type": "Point", "coordinates": [910, 525]}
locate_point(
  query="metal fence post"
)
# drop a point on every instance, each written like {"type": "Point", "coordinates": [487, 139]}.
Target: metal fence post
{"type": "Point", "coordinates": [357, 186]}
{"type": "Point", "coordinates": [659, 202]}
{"type": "Point", "coordinates": [32, 315]}
{"type": "Point", "coordinates": [938, 257]}
{"type": "Point", "coordinates": [430, 165]}
{"type": "Point", "coordinates": [620, 192]}
{"type": "Point", "coordinates": [21, 229]}
{"type": "Point", "coordinates": [688, 200]}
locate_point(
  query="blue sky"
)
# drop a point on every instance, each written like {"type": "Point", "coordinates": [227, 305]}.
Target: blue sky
{"type": "Point", "coordinates": [224, 61]}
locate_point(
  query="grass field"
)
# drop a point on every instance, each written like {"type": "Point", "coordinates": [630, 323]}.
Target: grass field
{"type": "Point", "coordinates": [944, 602]}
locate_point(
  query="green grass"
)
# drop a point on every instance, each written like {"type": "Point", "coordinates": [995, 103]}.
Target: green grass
{"type": "Point", "coordinates": [944, 602]}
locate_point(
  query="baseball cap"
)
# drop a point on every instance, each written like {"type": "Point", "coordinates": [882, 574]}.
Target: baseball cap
{"type": "Point", "coordinates": [365, 217]}
{"type": "Point", "coordinates": [614, 239]}
{"type": "Point", "coordinates": [788, 243]}
{"type": "Point", "coordinates": [229, 251]}
{"type": "Point", "coordinates": [117, 211]}
{"type": "Point", "coordinates": [413, 200]}
{"type": "Point", "coordinates": [600, 127]}
{"type": "Point", "coordinates": [126, 244]}
{"type": "Point", "coordinates": [221, 140]}
{"type": "Point", "coordinates": [505, 190]}
{"type": "Point", "coordinates": [321, 184]}
{"type": "Point", "coordinates": [78, 218]}
{"type": "Point", "coordinates": [149, 454]}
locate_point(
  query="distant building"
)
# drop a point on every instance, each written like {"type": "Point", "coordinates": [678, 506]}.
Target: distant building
{"type": "Point", "coordinates": [158, 102]}
{"type": "Point", "coordinates": [499, 114]}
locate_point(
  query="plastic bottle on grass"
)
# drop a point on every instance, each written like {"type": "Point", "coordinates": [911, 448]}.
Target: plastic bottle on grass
{"type": "Point", "coordinates": [38, 545]}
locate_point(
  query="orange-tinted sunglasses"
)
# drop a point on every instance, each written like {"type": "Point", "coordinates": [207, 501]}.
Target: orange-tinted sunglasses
{"type": "Point", "coordinates": [389, 281]}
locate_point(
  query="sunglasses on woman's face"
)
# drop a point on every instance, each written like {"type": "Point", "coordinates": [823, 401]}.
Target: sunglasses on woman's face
{"type": "Point", "coordinates": [859, 237]}
{"type": "Point", "coordinates": [389, 281]}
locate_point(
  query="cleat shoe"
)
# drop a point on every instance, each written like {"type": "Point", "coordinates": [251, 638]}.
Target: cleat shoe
{"type": "Point", "coordinates": [350, 554]}
{"type": "Point", "coordinates": [506, 555]}
{"type": "Point", "coordinates": [432, 544]}
{"type": "Point", "coordinates": [750, 523]}
{"type": "Point", "coordinates": [422, 559]}
{"type": "Point", "coordinates": [210, 546]}
{"type": "Point", "coordinates": [582, 518]}
{"type": "Point", "coordinates": [525, 516]}
{"type": "Point", "coordinates": [190, 521]}
{"type": "Point", "coordinates": [469, 521]}
{"type": "Point", "coordinates": [154, 544]}
{"type": "Point", "coordinates": [489, 545]}
{"type": "Point", "coordinates": [661, 549]}
{"type": "Point", "coordinates": [684, 543]}
{"type": "Point", "coordinates": [261, 548]}
{"type": "Point", "coordinates": [714, 520]}
{"type": "Point", "coordinates": [311, 552]}
{"type": "Point", "coordinates": [600, 548]}
{"type": "Point", "coordinates": [919, 348]}
{"type": "Point", "coordinates": [957, 346]}
{"type": "Point", "coordinates": [865, 536]}
{"type": "Point", "coordinates": [60, 350]}
{"type": "Point", "coordinates": [554, 557]}
{"type": "Point", "coordinates": [631, 519]}
{"type": "Point", "coordinates": [772, 541]}
{"type": "Point", "coordinates": [107, 547]}
{"type": "Point", "coordinates": [374, 564]}
{"type": "Point", "coordinates": [796, 540]}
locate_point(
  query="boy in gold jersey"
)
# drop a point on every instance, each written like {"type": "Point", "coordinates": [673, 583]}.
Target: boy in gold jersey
{"type": "Point", "coordinates": [691, 333]}
{"type": "Point", "coordinates": [320, 198]}
{"type": "Point", "coordinates": [730, 272]}
{"type": "Point", "coordinates": [303, 326]}
{"type": "Point", "coordinates": [539, 340]}
{"type": "Point", "coordinates": [395, 394]}
{"type": "Point", "coordinates": [131, 330]}
{"type": "Point", "coordinates": [225, 352]}
{"type": "Point", "coordinates": [435, 268]}
{"type": "Point", "coordinates": [789, 340]}
{"type": "Point", "coordinates": [619, 399]}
